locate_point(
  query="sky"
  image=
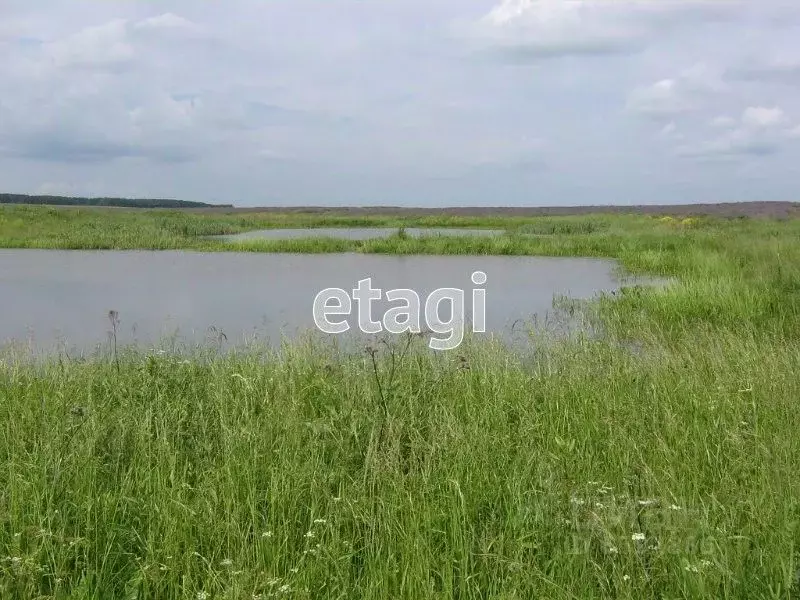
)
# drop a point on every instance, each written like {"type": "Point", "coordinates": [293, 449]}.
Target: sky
{"type": "Point", "coordinates": [402, 102]}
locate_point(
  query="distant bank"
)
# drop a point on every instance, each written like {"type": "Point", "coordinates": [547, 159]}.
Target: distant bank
{"type": "Point", "coordinates": [769, 209]}
{"type": "Point", "coordinates": [119, 202]}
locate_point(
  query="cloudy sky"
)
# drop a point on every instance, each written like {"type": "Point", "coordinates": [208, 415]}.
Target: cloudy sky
{"type": "Point", "coordinates": [407, 102]}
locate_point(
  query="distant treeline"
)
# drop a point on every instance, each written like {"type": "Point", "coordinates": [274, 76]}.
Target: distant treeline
{"type": "Point", "coordinates": [121, 202]}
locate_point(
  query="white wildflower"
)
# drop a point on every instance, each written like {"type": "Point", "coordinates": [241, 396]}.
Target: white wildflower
{"type": "Point", "coordinates": [626, 578]}
{"type": "Point", "coordinates": [674, 507]}
{"type": "Point", "coordinates": [319, 521]}
{"type": "Point", "coordinates": [638, 537]}
{"type": "Point", "coordinates": [309, 534]}
{"type": "Point", "coordinates": [202, 595]}
{"type": "Point", "coordinates": [647, 502]}
{"type": "Point", "coordinates": [266, 534]}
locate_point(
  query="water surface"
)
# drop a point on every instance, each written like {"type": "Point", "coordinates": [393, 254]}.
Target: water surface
{"type": "Point", "coordinates": [51, 298]}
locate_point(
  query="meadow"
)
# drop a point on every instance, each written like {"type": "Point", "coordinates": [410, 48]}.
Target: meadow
{"type": "Point", "coordinates": [656, 460]}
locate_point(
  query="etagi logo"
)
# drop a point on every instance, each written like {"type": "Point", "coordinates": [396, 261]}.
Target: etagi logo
{"type": "Point", "coordinates": [405, 317]}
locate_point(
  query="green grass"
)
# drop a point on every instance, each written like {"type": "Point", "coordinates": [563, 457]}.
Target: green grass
{"type": "Point", "coordinates": [480, 473]}
{"type": "Point", "coordinates": [98, 228]}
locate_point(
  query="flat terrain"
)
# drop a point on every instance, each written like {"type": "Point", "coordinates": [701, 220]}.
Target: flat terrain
{"type": "Point", "coordinates": [727, 209]}
{"type": "Point", "coordinates": [657, 459]}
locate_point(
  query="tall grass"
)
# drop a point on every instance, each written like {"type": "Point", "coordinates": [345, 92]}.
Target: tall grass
{"type": "Point", "coordinates": [582, 470]}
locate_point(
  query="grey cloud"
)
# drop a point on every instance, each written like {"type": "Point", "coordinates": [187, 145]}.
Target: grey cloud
{"type": "Point", "coordinates": [54, 148]}
{"type": "Point", "coordinates": [523, 53]}
{"type": "Point", "coordinates": [785, 72]}
{"type": "Point", "coordinates": [111, 102]}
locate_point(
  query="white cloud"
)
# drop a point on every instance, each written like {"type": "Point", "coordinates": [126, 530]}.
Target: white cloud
{"type": "Point", "coordinates": [759, 116]}
{"type": "Point", "coordinates": [113, 107]}
{"type": "Point", "coordinates": [166, 21]}
{"type": "Point", "coordinates": [702, 78]}
{"type": "Point", "coordinates": [663, 98]}
{"type": "Point", "coordinates": [688, 92]}
{"type": "Point", "coordinates": [548, 27]}
{"type": "Point", "coordinates": [116, 43]}
{"type": "Point", "coordinates": [723, 122]}
{"type": "Point", "coordinates": [732, 147]}
{"type": "Point", "coordinates": [759, 132]}
{"type": "Point", "coordinates": [163, 113]}
{"type": "Point", "coordinates": [669, 129]}
{"type": "Point", "coordinates": [670, 132]}
{"type": "Point", "coordinates": [104, 45]}
{"type": "Point", "coordinates": [533, 29]}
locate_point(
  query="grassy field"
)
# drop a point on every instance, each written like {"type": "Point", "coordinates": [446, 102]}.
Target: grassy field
{"type": "Point", "coordinates": [657, 461]}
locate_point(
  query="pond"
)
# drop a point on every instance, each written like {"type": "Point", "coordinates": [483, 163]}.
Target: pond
{"type": "Point", "coordinates": [61, 299]}
{"type": "Point", "coordinates": [351, 233]}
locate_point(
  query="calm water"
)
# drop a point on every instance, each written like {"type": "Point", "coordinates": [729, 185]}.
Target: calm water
{"type": "Point", "coordinates": [53, 299]}
{"type": "Point", "coordinates": [350, 233]}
